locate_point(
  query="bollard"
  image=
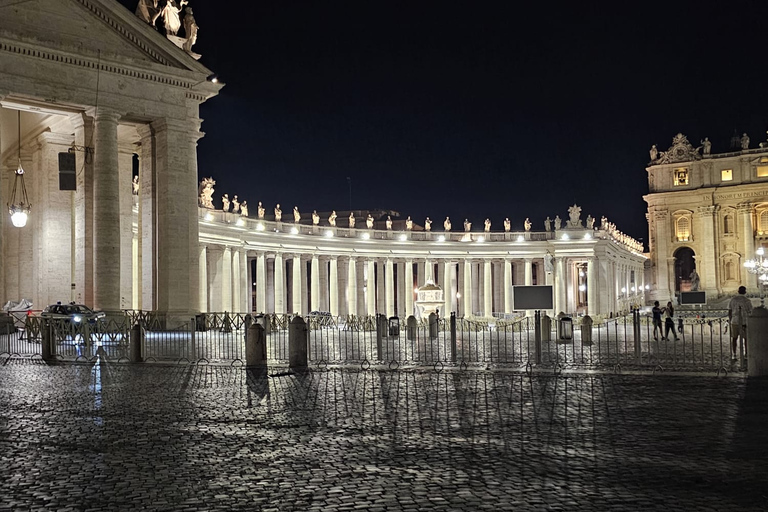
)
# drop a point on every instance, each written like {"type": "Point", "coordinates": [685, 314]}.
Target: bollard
{"type": "Point", "coordinates": [47, 340]}
{"type": "Point", "coordinates": [410, 329]}
{"type": "Point", "coordinates": [136, 342]}
{"type": "Point", "coordinates": [586, 330]}
{"type": "Point", "coordinates": [546, 328]}
{"type": "Point", "coordinates": [432, 325]}
{"type": "Point", "coordinates": [636, 333]}
{"type": "Point", "coordinates": [757, 346]}
{"type": "Point", "coordinates": [381, 333]}
{"type": "Point", "coordinates": [297, 343]}
{"type": "Point", "coordinates": [255, 347]}
{"type": "Point", "coordinates": [454, 347]}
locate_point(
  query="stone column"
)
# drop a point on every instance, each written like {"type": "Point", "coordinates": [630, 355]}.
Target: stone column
{"type": "Point", "coordinates": [421, 270]}
{"type": "Point", "coordinates": [560, 282]}
{"type": "Point", "coordinates": [593, 308]}
{"type": "Point", "coordinates": [246, 283]}
{"type": "Point", "coordinates": [360, 264]}
{"type": "Point", "coordinates": [296, 285]}
{"type": "Point", "coordinates": [106, 200]}
{"type": "Point", "coordinates": [203, 279]}
{"type": "Point", "coordinates": [215, 271]}
{"type": "Point", "coordinates": [408, 289]}
{"type": "Point", "coordinates": [314, 291]}
{"type": "Point", "coordinates": [334, 282]}
{"type": "Point", "coordinates": [509, 305]}
{"type": "Point", "coordinates": [176, 216]}
{"type": "Point", "coordinates": [352, 287]}
{"type": "Point", "coordinates": [389, 286]}
{"type": "Point", "coordinates": [261, 283]}
{"type": "Point", "coordinates": [324, 299]}
{"type": "Point", "coordinates": [236, 282]}
{"type": "Point", "coordinates": [147, 210]}
{"type": "Point", "coordinates": [381, 298]}
{"type": "Point", "coordinates": [279, 285]}
{"type": "Point", "coordinates": [448, 292]}
{"type": "Point", "coordinates": [226, 280]}
{"type": "Point", "coordinates": [748, 237]}
{"type": "Point", "coordinates": [3, 223]}
{"type": "Point", "coordinates": [467, 287]}
{"type": "Point", "coordinates": [83, 126]}
{"type": "Point", "coordinates": [136, 274]}
{"type": "Point", "coordinates": [487, 289]}
{"type": "Point", "coordinates": [125, 166]}
{"type": "Point", "coordinates": [705, 262]}
{"type": "Point", "coordinates": [661, 237]}
{"type": "Point", "coordinates": [371, 288]}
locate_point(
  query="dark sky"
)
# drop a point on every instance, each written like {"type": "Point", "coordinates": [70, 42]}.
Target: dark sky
{"type": "Point", "coordinates": [475, 109]}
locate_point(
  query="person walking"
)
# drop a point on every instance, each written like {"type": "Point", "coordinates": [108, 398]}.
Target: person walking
{"type": "Point", "coordinates": [669, 322]}
{"type": "Point", "coordinates": [656, 311]}
{"type": "Point", "coordinates": [739, 309]}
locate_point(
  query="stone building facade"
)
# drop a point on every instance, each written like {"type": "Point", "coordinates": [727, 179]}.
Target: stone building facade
{"type": "Point", "coordinates": [88, 76]}
{"type": "Point", "coordinates": [706, 212]}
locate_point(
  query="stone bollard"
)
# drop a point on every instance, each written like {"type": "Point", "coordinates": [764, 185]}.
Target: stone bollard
{"type": "Point", "coordinates": [757, 343]}
{"type": "Point", "coordinates": [411, 325]}
{"type": "Point", "coordinates": [586, 330]}
{"type": "Point", "coordinates": [297, 343]}
{"type": "Point", "coordinates": [546, 328]}
{"type": "Point", "coordinates": [136, 341]}
{"type": "Point", "coordinates": [433, 326]}
{"type": "Point", "coordinates": [255, 347]}
{"type": "Point", "coordinates": [46, 334]}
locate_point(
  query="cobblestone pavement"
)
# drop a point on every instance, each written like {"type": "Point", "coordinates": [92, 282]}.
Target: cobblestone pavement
{"type": "Point", "coordinates": [120, 437]}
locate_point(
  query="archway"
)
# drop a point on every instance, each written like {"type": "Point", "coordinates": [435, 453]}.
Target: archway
{"type": "Point", "coordinates": [685, 263]}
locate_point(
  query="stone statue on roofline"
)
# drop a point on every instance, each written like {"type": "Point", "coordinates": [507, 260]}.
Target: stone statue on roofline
{"type": "Point", "coordinates": [260, 211]}
{"type": "Point", "coordinates": [745, 141]}
{"type": "Point", "coordinates": [190, 30]}
{"type": "Point", "coordinates": [558, 222]}
{"type": "Point", "coordinates": [235, 205]}
{"type": "Point", "coordinates": [428, 224]}
{"type": "Point", "coordinates": [487, 225]}
{"type": "Point", "coordinates": [447, 224]}
{"type": "Point", "coordinates": [547, 224]}
{"type": "Point", "coordinates": [315, 218]}
{"type": "Point", "coordinates": [467, 225]}
{"type": "Point", "coordinates": [654, 153]}
{"type": "Point", "coordinates": [225, 202]}
{"type": "Point", "coordinates": [408, 223]}
{"type": "Point", "coordinates": [351, 219]}
{"type": "Point", "coordinates": [388, 222]}
{"type": "Point", "coordinates": [244, 209]}
{"type": "Point", "coordinates": [171, 18]}
{"type": "Point", "coordinates": [332, 218]}
{"type": "Point", "coordinates": [574, 216]}
{"type": "Point", "coordinates": [296, 215]}
{"type": "Point", "coordinates": [278, 213]}
{"type": "Point", "coordinates": [706, 145]}
{"type": "Point", "coordinates": [205, 192]}
{"type": "Point", "coordinates": [507, 224]}
{"type": "Point", "coordinates": [590, 222]}
{"type": "Point", "coordinates": [369, 221]}
{"type": "Point", "coordinates": [527, 224]}
{"type": "Point", "coordinates": [148, 11]}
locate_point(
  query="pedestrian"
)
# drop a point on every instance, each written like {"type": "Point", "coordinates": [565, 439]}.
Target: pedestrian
{"type": "Point", "coordinates": [656, 311]}
{"type": "Point", "coordinates": [669, 322]}
{"type": "Point", "coordinates": [739, 309]}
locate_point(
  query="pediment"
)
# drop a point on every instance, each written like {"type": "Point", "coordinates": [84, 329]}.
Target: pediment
{"type": "Point", "coordinates": [92, 28]}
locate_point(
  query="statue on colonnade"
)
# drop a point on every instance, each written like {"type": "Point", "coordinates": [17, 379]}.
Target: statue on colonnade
{"type": "Point", "coordinates": [296, 215]}
{"type": "Point", "coordinates": [707, 146]}
{"type": "Point", "coordinates": [574, 216]}
{"type": "Point", "coordinates": [148, 11]}
{"type": "Point", "coordinates": [389, 222]}
{"type": "Point", "coordinates": [225, 202]}
{"type": "Point", "coordinates": [745, 141]}
{"type": "Point", "coordinates": [205, 192]}
{"type": "Point", "coordinates": [351, 219]}
{"type": "Point", "coordinates": [487, 225]}
{"type": "Point", "coordinates": [244, 209]}
{"type": "Point", "coordinates": [190, 30]}
{"type": "Point", "coordinates": [235, 205]}
{"type": "Point", "coordinates": [278, 213]}
{"type": "Point", "coordinates": [467, 225]}
{"type": "Point", "coordinates": [369, 221]}
{"type": "Point", "coordinates": [507, 224]}
{"type": "Point", "coordinates": [558, 222]}
{"type": "Point", "coordinates": [428, 224]}
{"type": "Point", "coordinates": [408, 223]}
{"type": "Point", "coordinates": [171, 17]}
{"type": "Point", "coordinates": [260, 211]}
{"type": "Point", "coordinates": [447, 224]}
{"type": "Point", "coordinates": [527, 224]}
{"type": "Point", "coordinates": [547, 224]}
{"type": "Point", "coordinates": [590, 222]}
{"type": "Point", "coordinates": [315, 218]}
{"type": "Point", "coordinates": [332, 218]}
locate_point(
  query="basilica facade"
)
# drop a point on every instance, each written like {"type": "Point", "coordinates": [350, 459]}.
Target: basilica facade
{"type": "Point", "coordinates": [707, 215]}
{"type": "Point", "coordinates": [99, 126]}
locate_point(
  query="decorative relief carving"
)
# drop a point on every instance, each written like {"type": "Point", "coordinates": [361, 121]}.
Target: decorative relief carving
{"type": "Point", "coordinates": [680, 151]}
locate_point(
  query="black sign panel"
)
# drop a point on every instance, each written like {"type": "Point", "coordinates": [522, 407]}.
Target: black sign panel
{"type": "Point", "coordinates": [691, 298]}
{"type": "Point", "coordinates": [532, 297]}
{"type": "Point", "coordinates": [67, 172]}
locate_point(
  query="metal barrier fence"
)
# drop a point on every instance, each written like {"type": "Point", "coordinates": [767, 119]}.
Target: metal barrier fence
{"type": "Point", "coordinates": [627, 341]}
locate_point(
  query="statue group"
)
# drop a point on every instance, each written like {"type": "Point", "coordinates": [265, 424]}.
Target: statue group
{"type": "Point", "coordinates": [170, 11]}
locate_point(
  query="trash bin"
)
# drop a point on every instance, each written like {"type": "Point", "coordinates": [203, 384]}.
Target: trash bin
{"type": "Point", "coordinates": [200, 322]}
{"type": "Point", "coordinates": [565, 328]}
{"type": "Point", "coordinates": [394, 326]}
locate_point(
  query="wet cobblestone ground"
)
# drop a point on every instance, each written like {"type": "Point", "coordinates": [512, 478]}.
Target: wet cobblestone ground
{"type": "Point", "coordinates": [121, 437]}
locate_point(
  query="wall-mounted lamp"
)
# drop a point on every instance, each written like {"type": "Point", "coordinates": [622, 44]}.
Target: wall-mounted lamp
{"type": "Point", "coordinates": [19, 207]}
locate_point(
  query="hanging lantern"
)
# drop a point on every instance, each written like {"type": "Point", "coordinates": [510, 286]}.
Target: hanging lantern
{"type": "Point", "coordinates": [19, 207]}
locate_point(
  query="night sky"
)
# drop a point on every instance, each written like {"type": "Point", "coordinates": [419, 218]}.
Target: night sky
{"type": "Point", "coordinates": [480, 109]}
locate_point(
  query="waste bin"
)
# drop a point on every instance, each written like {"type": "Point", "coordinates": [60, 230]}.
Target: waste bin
{"type": "Point", "coordinates": [565, 328]}
{"type": "Point", "coordinates": [200, 322]}
{"type": "Point", "coordinates": [394, 326]}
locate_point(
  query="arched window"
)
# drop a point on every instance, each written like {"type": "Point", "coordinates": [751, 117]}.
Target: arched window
{"type": "Point", "coordinates": [728, 226]}
{"type": "Point", "coordinates": [762, 221]}
{"type": "Point", "coordinates": [684, 229]}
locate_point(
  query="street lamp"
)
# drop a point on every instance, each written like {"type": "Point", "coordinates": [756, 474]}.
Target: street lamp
{"type": "Point", "coordinates": [759, 267]}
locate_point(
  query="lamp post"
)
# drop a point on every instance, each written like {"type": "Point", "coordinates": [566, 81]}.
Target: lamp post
{"type": "Point", "coordinates": [759, 267]}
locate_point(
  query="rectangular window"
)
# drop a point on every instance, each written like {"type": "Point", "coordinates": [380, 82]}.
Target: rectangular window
{"type": "Point", "coordinates": [762, 171]}
{"type": "Point", "coordinates": [681, 177]}
{"type": "Point", "coordinates": [726, 175]}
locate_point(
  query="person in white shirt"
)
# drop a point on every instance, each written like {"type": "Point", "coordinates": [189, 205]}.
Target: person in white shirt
{"type": "Point", "coordinates": [739, 309]}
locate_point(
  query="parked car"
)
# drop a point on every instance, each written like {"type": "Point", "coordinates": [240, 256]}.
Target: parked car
{"type": "Point", "coordinates": [75, 313]}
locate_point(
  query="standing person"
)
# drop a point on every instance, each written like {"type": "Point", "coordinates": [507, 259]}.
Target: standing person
{"type": "Point", "coordinates": [656, 320]}
{"type": "Point", "coordinates": [669, 322]}
{"type": "Point", "coordinates": [739, 310]}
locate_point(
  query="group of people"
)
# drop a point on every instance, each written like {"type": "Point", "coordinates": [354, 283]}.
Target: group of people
{"type": "Point", "coordinates": [739, 309]}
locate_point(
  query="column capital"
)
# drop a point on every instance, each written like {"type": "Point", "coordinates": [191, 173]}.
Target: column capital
{"type": "Point", "coordinates": [189, 126]}
{"type": "Point", "coordinates": [78, 120]}
{"type": "Point", "coordinates": [103, 113]}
